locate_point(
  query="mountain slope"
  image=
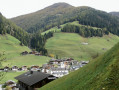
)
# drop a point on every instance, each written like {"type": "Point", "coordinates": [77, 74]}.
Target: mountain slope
{"type": "Point", "coordinates": [12, 49]}
{"type": "Point", "coordinates": [49, 17]}
{"type": "Point", "coordinates": [38, 20]}
{"type": "Point", "coordinates": [101, 73]}
{"type": "Point", "coordinates": [71, 45]}
{"type": "Point", "coordinates": [7, 27]}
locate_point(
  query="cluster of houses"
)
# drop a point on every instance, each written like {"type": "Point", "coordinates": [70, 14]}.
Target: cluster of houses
{"type": "Point", "coordinates": [37, 76]}
{"type": "Point", "coordinates": [61, 67]}
{"type": "Point", "coordinates": [23, 68]}
{"type": "Point", "coordinates": [11, 85]}
{"type": "Point", "coordinates": [56, 67]}
{"type": "Point", "coordinates": [33, 52]}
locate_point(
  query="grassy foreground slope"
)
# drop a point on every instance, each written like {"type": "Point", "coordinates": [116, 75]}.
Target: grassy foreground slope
{"type": "Point", "coordinates": [101, 73]}
{"type": "Point", "coordinates": [70, 45]}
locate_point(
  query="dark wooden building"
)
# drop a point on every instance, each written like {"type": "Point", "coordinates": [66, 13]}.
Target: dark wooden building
{"type": "Point", "coordinates": [33, 79]}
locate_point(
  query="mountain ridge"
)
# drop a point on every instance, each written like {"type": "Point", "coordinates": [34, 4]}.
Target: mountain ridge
{"type": "Point", "coordinates": [50, 17]}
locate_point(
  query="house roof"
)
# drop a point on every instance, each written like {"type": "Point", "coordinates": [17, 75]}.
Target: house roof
{"type": "Point", "coordinates": [32, 78]}
{"type": "Point", "coordinates": [58, 69]}
{"type": "Point", "coordinates": [59, 73]}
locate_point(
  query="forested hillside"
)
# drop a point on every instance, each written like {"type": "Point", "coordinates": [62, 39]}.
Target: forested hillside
{"type": "Point", "coordinates": [61, 13]}
{"type": "Point", "coordinates": [43, 19]}
{"type": "Point", "coordinates": [101, 73]}
{"type": "Point", "coordinates": [6, 26]}
{"type": "Point", "coordinates": [34, 41]}
{"type": "Point", "coordinates": [85, 31]}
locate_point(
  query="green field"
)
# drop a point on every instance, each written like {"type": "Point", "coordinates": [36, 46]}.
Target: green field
{"type": "Point", "coordinates": [27, 60]}
{"type": "Point", "coordinates": [70, 45]}
{"type": "Point", "coordinates": [11, 46]}
{"type": "Point", "coordinates": [12, 49]}
{"type": "Point", "coordinates": [100, 74]}
{"type": "Point", "coordinates": [10, 76]}
{"type": "Point", "coordinates": [77, 24]}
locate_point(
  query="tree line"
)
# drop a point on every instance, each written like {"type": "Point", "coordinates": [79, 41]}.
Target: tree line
{"type": "Point", "coordinates": [85, 31]}
{"type": "Point", "coordinates": [7, 27]}
{"type": "Point", "coordinates": [38, 42]}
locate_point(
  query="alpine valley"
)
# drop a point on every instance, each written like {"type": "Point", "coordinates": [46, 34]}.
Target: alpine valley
{"type": "Point", "coordinates": [61, 37]}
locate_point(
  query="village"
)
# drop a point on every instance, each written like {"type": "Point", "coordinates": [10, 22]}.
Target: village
{"type": "Point", "coordinates": [36, 76]}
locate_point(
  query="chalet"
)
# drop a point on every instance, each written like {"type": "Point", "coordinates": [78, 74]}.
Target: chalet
{"type": "Point", "coordinates": [19, 69]}
{"type": "Point", "coordinates": [11, 84]}
{"type": "Point", "coordinates": [37, 54]}
{"type": "Point", "coordinates": [75, 67]}
{"type": "Point", "coordinates": [74, 62]}
{"type": "Point", "coordinates": [62, 65]}
{"type": "Point", "coordinates": [55, 61]}
{"type": "Point", "coordinates": [24, 68]}
{"type": "Point", "coordinates": [33, 79]}
{"type": "Point", "coordinates": [24, 53]}
{"type": "Point", "coordinates": [84, 62]}
{"type": "Point", "coordinates": [15, 68]}
{"type": "Point", "coordinates": [30, 52]}
{"type": "Point", "coordinates": [70, 59]}
{"type": "Point", "coordinates": [1, 69]}
{"type": "Point", "coordinates": [46, 67]}
{"type": "Point", "coordinates": [34, 52]}
{"type": "Point", "coordinates": [6, 68]}
{"type": "Point", "coordinates": [58, 72]}
{"type": "Point", "coordinates": [35, 68]}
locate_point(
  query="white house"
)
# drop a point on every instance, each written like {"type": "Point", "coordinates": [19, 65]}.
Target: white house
{"type": "Point", "coordinates": [58, 72]}
{"type": "Point", "coordinates": [35, 68]}
{"type": "Point", "coordinates": [6, 69]}
{"type": "Point", "coordinates": [15, 68]}
{"type": "Point", "coordinates": [24, 68]}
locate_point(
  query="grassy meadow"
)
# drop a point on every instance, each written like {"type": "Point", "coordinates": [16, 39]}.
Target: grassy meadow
{"type": "Point", "coordinates": [11, 47]}
{"type": "Point", "coordinates": [70, 45]}
{"type": "Point", "coordinates": [10, 76]}
{"type": "Point", "coordinates": [27, 60]}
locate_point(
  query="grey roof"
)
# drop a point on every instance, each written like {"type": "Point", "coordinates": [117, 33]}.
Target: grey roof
{"type": "Point", "coordinates": [58, 69]}
{"type": "Point", "coordinates": [76, 66]}
{"type": "Point", "coordinates": [84, 62]}
{"type": "Point", "coordinates": [33, 78]}
{"type": "Point", "coordinates": [59, 73]}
